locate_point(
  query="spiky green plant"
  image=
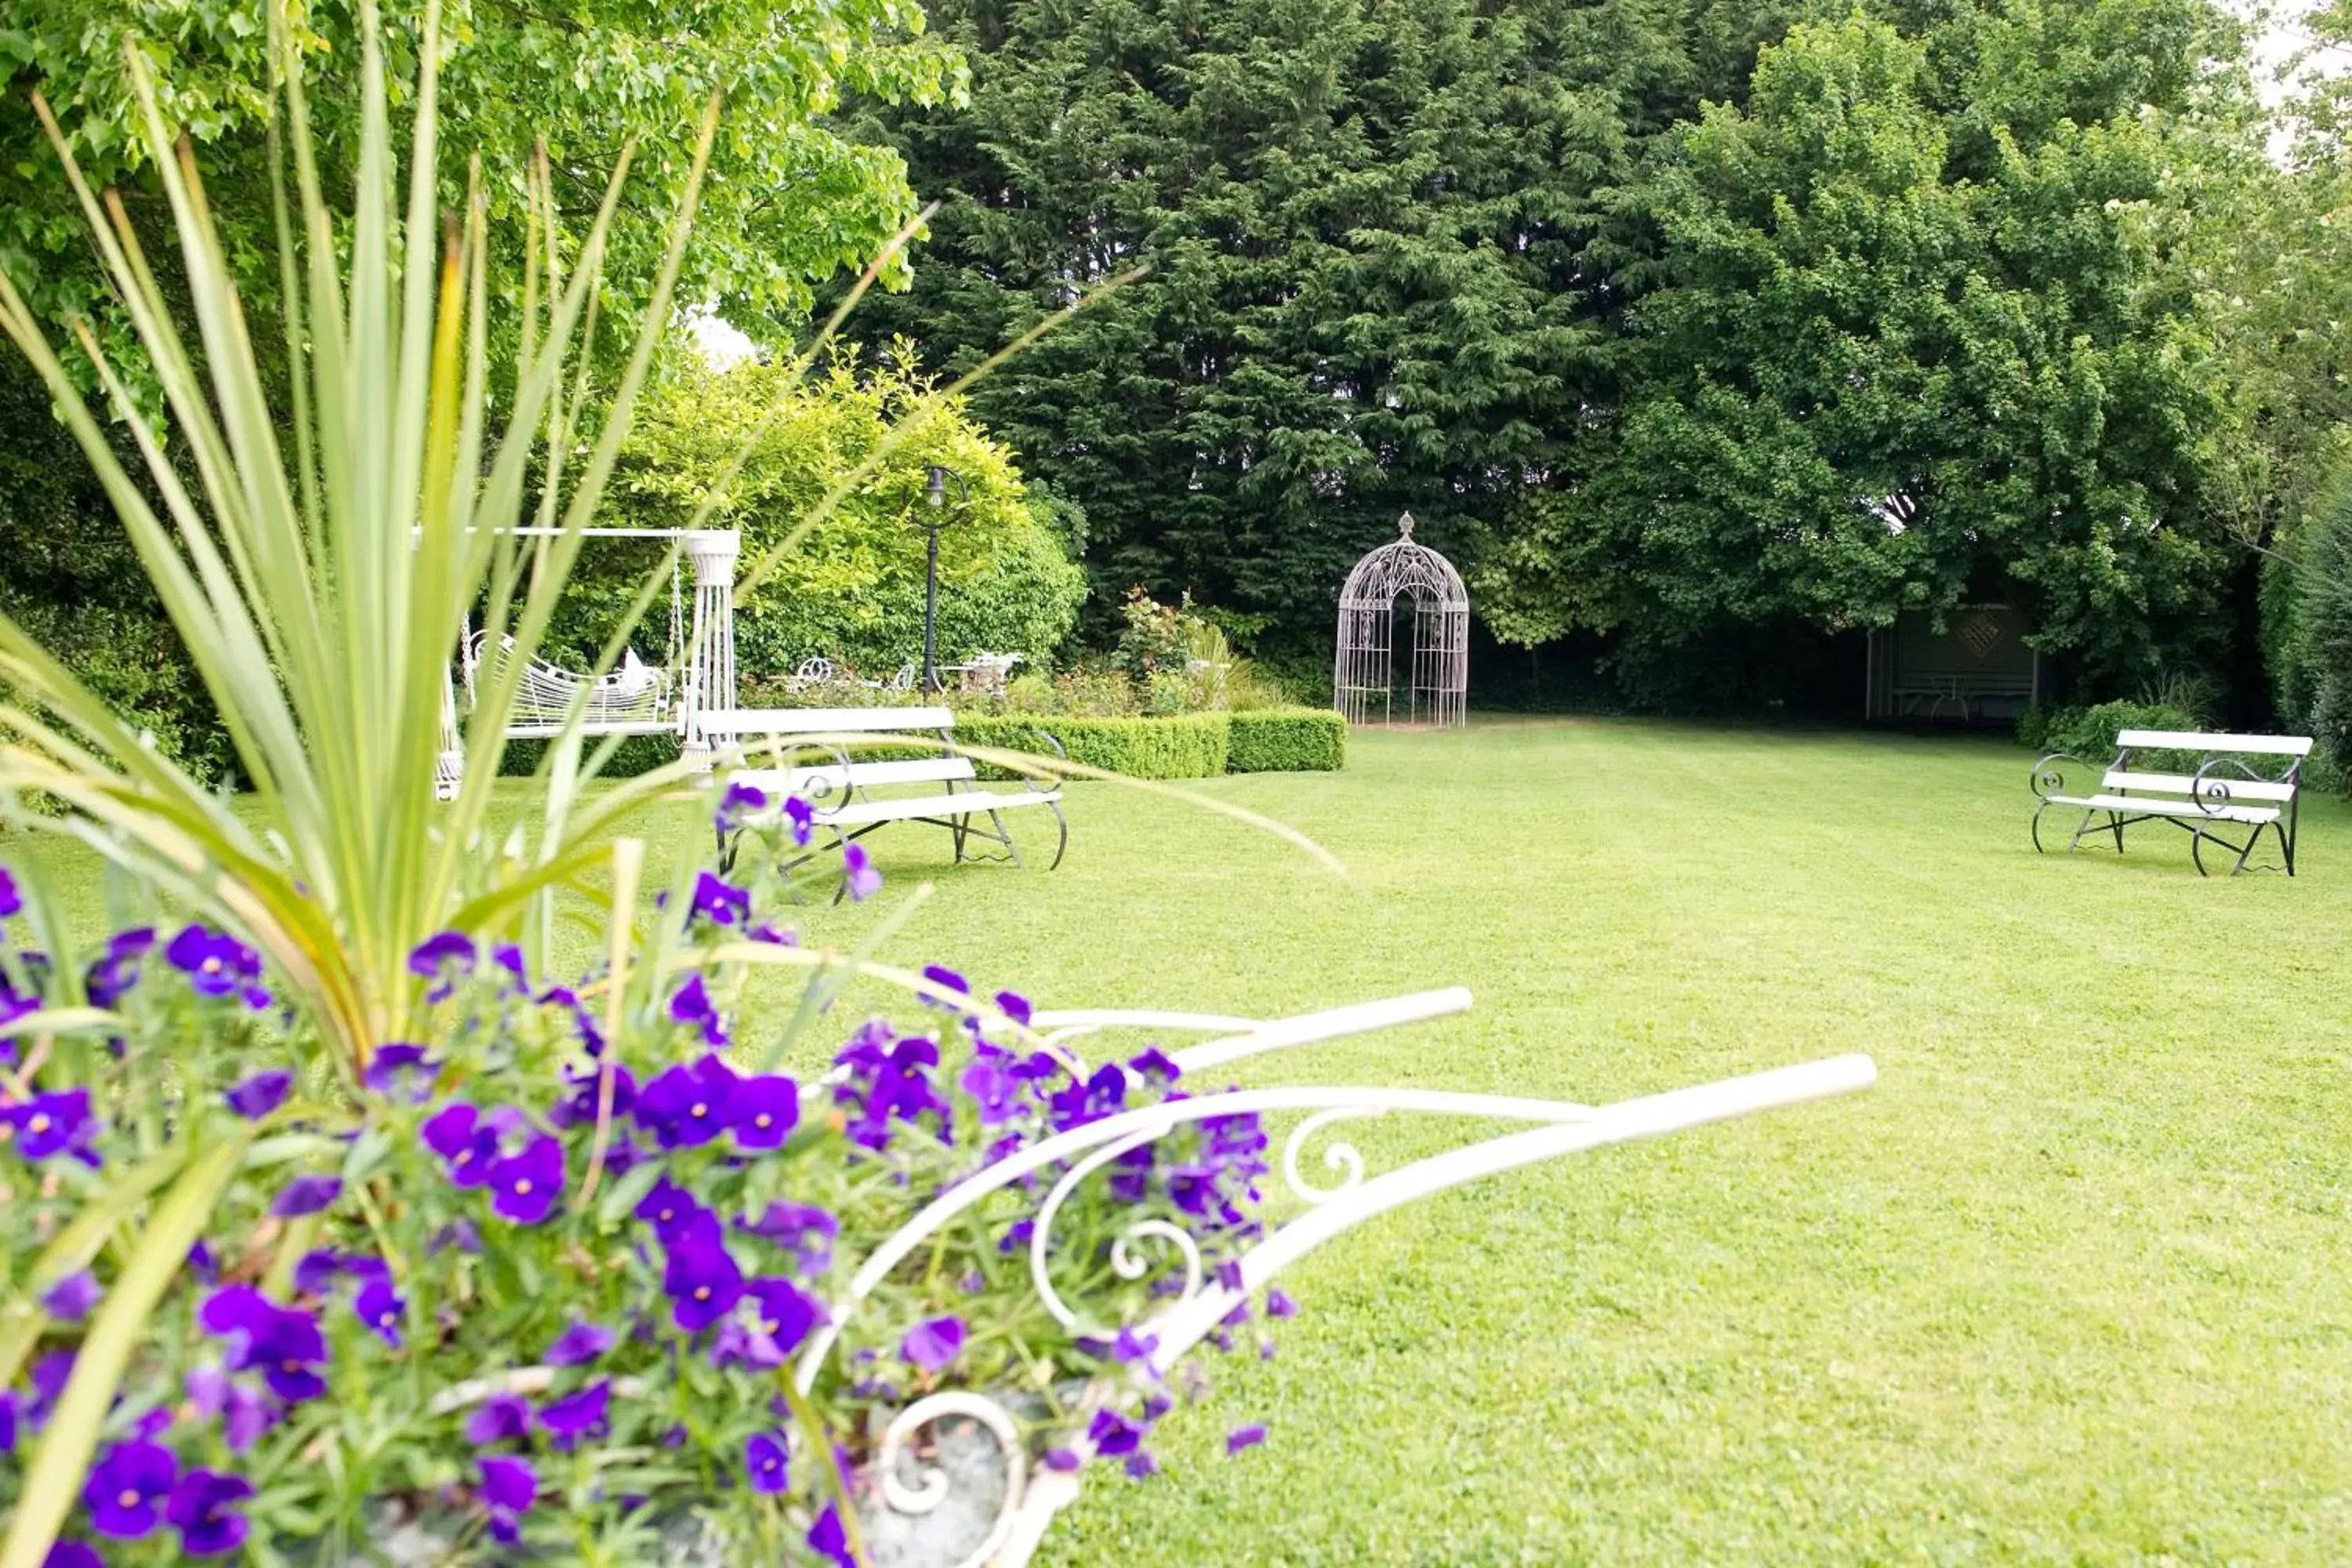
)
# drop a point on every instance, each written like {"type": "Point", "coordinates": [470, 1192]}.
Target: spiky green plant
{"type": "Point", "coordinates": [320, 567]}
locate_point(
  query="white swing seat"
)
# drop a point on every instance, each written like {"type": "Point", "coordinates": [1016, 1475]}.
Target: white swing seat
{"type": "Point", "coordinates": [633, 699]}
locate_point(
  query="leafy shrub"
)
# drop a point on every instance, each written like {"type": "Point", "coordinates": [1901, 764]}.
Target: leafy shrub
{"type": "Point", "coordinates": [1287, 741]}
{"type": "Point", "coordinates": [2090, 733]}
{"type": "Point", "coordinates": [2322, 638]}
{"type": "Point", "coordinates": [853, 589]}
{"type": "Point", "coordinates": [1187, 746]}
{"type": "Point", "coordinates": [1154, 637]}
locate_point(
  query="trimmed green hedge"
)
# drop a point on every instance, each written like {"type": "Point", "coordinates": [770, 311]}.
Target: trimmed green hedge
{"type": "Point", "coordinates": [1287, 741]}
{"type": "Point", "coordinates": [1187, 746]}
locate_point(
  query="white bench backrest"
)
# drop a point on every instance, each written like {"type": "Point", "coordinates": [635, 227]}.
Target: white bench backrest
{"type": "Point", "coordinates": [830, 777]}
{"type": "Point", "coordinates": [771, 721]}
{"type": "Point", "coordinates": [2192, 741]}
{"type": "Point", "coordinates": [2182, 784]}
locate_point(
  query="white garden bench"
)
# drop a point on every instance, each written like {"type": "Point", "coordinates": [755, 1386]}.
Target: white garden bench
{"type": "Point", "coordinates": [2225, 791]}
{"type": "Point", "coordinates": [811, 754]}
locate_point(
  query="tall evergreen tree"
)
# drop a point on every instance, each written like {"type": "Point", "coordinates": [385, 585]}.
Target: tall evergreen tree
{"type": "Point", "coordinates": [1919, 333]}
{"type": "Point", "coordinates": [1375, 232]}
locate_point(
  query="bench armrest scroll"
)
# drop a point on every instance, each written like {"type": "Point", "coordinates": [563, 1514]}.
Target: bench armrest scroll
{"type": "Point", "coordinates": [2049, 774]}
{"type": "Point", "coordinates": [2214, 787]}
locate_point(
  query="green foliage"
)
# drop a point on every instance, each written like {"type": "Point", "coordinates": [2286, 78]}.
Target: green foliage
{"type": "Point", "coordinates": [1186, 746]}
{"type": "Point", "coordinates": [1919, 331]}
{"type": "Point", "coordinates": [1379, 281]}
{"type": "Point", "coordinates": [2090, 733]}
{"type": "Point", "coordinates": [1286, 740]}
{"type": "Point", "coordinates": [1154, 637]}
{"type": "Point", "coordinates": [852, 590]}
{"type": "Point", "coordinates": [585, 81]}
{"type": "Point", "coordinates": [2321, 649]}
{"type": "Point", "coordinates": [73, 582]}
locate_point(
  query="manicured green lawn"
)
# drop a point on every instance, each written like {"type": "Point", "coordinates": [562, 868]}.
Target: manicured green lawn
{"type": "Point", "coordinates": [2073, 1284]}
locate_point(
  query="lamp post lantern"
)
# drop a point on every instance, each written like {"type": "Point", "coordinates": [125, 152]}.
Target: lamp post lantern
{"type": "Point", "coordinates": [935, 517]}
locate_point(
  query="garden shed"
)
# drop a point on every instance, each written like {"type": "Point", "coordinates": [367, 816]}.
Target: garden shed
{"type": "Point", "coordinates": [1974, 669]}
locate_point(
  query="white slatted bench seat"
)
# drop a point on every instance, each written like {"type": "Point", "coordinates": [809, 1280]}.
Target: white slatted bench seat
{"type": "Point", "coordinates": [813, 754]}
{"type": "Point", "coordinates": [2224, 792]}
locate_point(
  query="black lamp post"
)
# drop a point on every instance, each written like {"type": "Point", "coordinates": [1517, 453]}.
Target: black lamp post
{"type": "Point", "coordinates": [935, 517]}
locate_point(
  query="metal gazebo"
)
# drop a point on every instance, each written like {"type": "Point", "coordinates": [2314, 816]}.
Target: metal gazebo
{"type": "Point", "coordinates": [1363, 681]}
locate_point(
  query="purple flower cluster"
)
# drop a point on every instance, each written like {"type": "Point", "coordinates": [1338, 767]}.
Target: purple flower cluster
{"type": "Point", "coordinates": [138, 1486]}
{"type": "Point", "coordinates": [889, 1080]}
{"type": "Point", "coordinates": [218, 965]}
{"type": "Point", "coordinates": [53, 1123]}
{"type": "Point", "coordinates": [522, 1166]}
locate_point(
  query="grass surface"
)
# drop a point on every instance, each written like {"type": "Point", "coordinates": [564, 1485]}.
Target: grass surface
{"type": "Point", "coordinates": [2074, 1284]}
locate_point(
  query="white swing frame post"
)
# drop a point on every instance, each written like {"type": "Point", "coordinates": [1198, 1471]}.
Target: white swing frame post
{"type": "Point", "coordinates": [705, 685]}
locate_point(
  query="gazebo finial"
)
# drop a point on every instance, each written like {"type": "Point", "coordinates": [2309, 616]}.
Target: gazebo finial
{"type": "Point", "coordinates": [1404, 527]}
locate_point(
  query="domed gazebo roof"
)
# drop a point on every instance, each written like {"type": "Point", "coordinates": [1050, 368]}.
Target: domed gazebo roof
{"type": "Point", "coordinates": [1401, 567]}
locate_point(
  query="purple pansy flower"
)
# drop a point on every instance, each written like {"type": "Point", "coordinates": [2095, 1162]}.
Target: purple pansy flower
{"type": "Point", "coordinates": [763, 1110]}
{"type": "Point", "coordinates": [259, 1095]}
{"type": "Point", "coordinates": [1013, 1005]}
{"type": "Point", "coordinates": [284, 1345]}
{"type": "Point", "coordinates": [767, 1459]}
{"type": "Point", "coordinates": [738, 1343]}
{"type": "Point", "coordinates": [381, 1308]}
{"type": "Point", "coordinates": [785, 1312]}
{"type": "Point", "coordinates": [50, 1124]}
{"type": "Point", "coordinates": [579, 1108]}
{"type": "Point", "coordinates": [802, 816]}
{"type": "Point", "coordinates": [946, 979]}
{"type": "Point", "coordinates": [73, 1554]}
{"type": "Point", "coordinates": [464, 1140]}
{"type": "Point", "coordinates": [12, 1406]}
{"type": "Point", "coordinates": [702, 1282]}
{"type": "Point", "coordinates": [11, 902]}
{"type": "Point", "coordinates": [1156, 1066]}
{"type": "Point", "coordinates": [579, 1344]}
{"type": "Point", "coordinates": [444, 959]}
{"type": "Point", "coordinates": [111, 977]}
{"type": "Point", "coordinates": [1066, 1460]}
{"type": "Point", "coordinates": [1278, 1305]}
{"type": "Point", "coordinates": [863, 881]}
{"type": "Point", "coordinates": [740, 804]}
{"type": "Point", "coordinates": [827, 1539]}
{"type": "Point", "coordinates": [244, 1414]}
{"type": "Point", "coordinates": [1241, 1437]}
{"type": "Point", "coordinates": [933, 1343]}
{"type": "Point", "coordinates": [578, 1415]}
{"type": "Point", "coordinates": [126, 1490]}
{"type": "Point", "coordinates": [394, 1064]}
{"type": "Point", "coordinates": [806, 1232]}
{"type": "Point", "coordinates": [685, 1107]}
{"type": "Point", "coordinates": [719, 901]}
{"type": "Point", "coordinates": [524, 1184]}
{"type": "Point", "coordinates": [51, 1375]}
{"type": "Point", "coordinates": [670, 1209]}
{"type": "Point", "coordinates": [306, 1194]}
{"type": "Point", "coordinates": [509, 1486]}
{"type": "Point", "coordinates": [500, 1418]}
{"type": "Point", "coordinates": [692, 1006]}
{"type": "Point", "coordinates": [70, 1298]}
{"type": "Point", "coordinates": [202, 1509]}
{"type": "Point", "coordinates": [1113, 1434]}
{"type": "Point", "coordinates": [1131, 1347]}
{"type": "Point", "coordinates": [218, 964]}
{"type": "Point", "coordinates": [994, 1089]}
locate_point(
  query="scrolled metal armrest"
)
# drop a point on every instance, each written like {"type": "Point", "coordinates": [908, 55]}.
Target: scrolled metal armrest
{"type": "Point", "coordinates": [2214, 794]}
{"type": "Point", "coordinates": [2048, 776]}
{"type": "Point", "coordinates": [1043, 785]}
